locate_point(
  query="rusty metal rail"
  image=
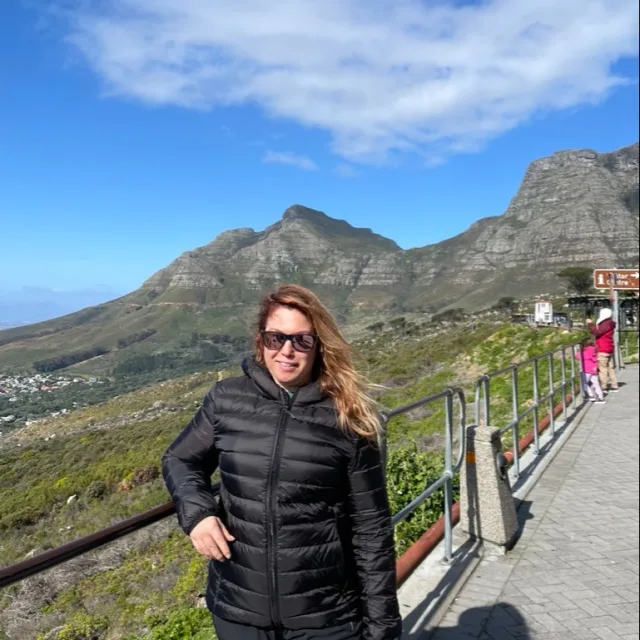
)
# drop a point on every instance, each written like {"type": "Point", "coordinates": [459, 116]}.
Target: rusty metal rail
{"type": "Point", "coordinates": [48, 559]}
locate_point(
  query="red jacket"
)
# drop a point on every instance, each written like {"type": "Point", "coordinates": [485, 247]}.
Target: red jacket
{"type": "Point", "coordinates": [603, 334]}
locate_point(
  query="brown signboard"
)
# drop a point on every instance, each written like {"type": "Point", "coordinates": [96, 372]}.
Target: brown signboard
{"type": "Point", "coordinates": [619, 279]}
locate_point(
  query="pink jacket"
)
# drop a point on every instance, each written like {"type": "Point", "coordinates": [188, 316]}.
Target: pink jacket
{"type": "Point", "coordinates": [589, 360]}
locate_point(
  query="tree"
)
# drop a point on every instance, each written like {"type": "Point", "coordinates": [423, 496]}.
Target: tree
{"type": "Point", "coordinates": [399, 324]}
{"type": "Point", "coordinates": [450, 315]}
{"type": "Point", "coordinates": [506, 303]}
{"type": "Point", "coordinates": [579, 279]}
{"type": "Point", "coordinates": [376, 327]}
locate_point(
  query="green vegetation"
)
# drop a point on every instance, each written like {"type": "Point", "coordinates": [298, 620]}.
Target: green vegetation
{"type": "Point", "coordinates": [129, 435]}
{"type": "Point", "coordinates": [629, 345]}
{"type": "Point", "coordinates": [205, 354]}
{"type": "Point", "coordinates": [154, 594]}
{"type": "Point", "coordinates": [410, 472]}
{"type": "Point", "coordinates": [135, 337]}
{"type": "Point", "coordinates": [514, 345]}
{"type": "Point", "coordinates": [579, 279]}
{"type": "Point", "coordinates": [66, 360]}
{"type": "Point", "coordinates": [33, 505]}
{"type": "Point", "coordinates": [108, 455]}
{"type": "Point", "coordinates": [450, 315]}
{"type": "Point", "coordinates": [506, 303]}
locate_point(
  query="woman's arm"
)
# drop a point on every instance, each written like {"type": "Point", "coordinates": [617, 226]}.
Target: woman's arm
{"type": "Point", "coordinates": [373, 544]}
{"type": "Point", "coordinates": [603, 328]}
{"type": "Point", "coordinates": [187, 466]}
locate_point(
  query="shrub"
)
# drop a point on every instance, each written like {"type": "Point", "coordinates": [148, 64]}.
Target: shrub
{"type": "Point", "coordinates": [409, 473]}
{"type": "Point", "coordinates": [84, 627]}
{"type": "Point", "coordinates": [185, 622]}
{"type": "Point", "coordinates": [145, 475]}
{"type": "Point", "coordinates": [95, 490]}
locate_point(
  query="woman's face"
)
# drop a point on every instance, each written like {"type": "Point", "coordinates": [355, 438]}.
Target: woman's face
{"type": "Point", "coordinates": [288, 366]}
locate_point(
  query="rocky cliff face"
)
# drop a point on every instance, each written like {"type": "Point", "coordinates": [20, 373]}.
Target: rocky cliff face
{"type": "Point", "coordinates": [573, 208]}
{"type": "Point", "coordinates": [304, 246]}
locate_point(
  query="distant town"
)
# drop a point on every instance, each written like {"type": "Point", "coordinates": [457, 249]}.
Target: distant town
{"type": "Point", "coordinates": [15, 388]}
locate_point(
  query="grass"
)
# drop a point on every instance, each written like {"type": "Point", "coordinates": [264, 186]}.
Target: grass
{"type": "Point", "coordinates": [629, 345]}
{"type": "Point", "coordinates": [122, 598]}
{"type": "Point", "coordinates": [154, 593]}
{"type": "Point", "coordinates": [515, 345]}
{"type": "Point", "coordinates": [33, 506]}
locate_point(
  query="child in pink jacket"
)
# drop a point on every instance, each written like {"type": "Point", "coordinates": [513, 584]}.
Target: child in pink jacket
{"type": "Point", "coordinates": [589, 360]}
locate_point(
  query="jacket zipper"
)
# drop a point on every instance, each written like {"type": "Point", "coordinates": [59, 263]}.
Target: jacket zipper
{"type": "Point", "coordinates": [272, 503]}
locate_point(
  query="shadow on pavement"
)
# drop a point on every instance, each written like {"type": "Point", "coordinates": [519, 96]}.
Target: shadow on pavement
{"type": "Point", "coordinates": [497, 622]}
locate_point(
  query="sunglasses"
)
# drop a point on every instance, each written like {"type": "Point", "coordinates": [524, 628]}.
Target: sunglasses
{"type": "Point", "coordinates": [275, 340]}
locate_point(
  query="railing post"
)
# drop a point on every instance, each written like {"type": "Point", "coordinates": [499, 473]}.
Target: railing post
{"type": "Point", "coordinates": [487, 507]}
{"type": "Point", "coordinates": [448, 487]}
{"type": "Point", "coordinates": [552, 417]}
{"type": "Point", "coordinates": [384, 421]}
{"type": "Point", "coordinates": [574, 403]}
{"type": "Point", "coordinates": [564, 384]}
{"type": "Point", "coordinates": [486, 384]}
{"type": "Point", "coordinates": [516, 423]}
{"type": "Point", "coordinates": [536, 404]}
{"type": "Point", "coordinates": [580, 374]}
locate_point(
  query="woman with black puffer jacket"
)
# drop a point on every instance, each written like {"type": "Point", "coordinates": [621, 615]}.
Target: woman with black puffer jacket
{"type": "Point", "coordinates": [300, 539]}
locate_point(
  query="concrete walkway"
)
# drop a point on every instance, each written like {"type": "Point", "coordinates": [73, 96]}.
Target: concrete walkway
{"type": "Point", "coordinates": [574, 573]}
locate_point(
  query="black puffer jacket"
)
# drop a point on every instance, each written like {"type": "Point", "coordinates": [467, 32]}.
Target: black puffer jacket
{"type": "Point", "coordinates": [305, 503]}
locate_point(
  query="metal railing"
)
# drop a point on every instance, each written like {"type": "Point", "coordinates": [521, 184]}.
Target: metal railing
{"type": "Point", "coordinates": [538, 399]}
{"type": "Point", "coordinates": [14, 573]}
{"type": "Point", "coordinates": [47, 560]}
{"type": "Point", "coordinates": [451, 467]}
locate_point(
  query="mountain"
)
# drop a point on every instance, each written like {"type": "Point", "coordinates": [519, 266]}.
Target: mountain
{"type": "Point", "coordinates": [575, 207]}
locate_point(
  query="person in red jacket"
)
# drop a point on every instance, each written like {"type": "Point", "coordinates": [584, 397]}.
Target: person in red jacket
{"type": "Point", "coordinates": [603, 331]}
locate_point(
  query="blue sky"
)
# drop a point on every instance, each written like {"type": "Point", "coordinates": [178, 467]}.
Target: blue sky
{"type": "Point", "coordinates": [134, 130]}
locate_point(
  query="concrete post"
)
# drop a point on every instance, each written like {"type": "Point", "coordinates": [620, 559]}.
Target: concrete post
{"type": "Point", "coordinates": [487, 508]}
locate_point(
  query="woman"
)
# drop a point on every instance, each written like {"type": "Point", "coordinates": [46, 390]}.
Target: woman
{"type": "Point", "coordinates": [301, 539]}
{"type": "Point", "coordinates": [603, 332]}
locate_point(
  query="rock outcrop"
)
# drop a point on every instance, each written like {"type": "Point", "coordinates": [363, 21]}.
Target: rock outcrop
{"type": "Point", "coordinates": [573, 208]}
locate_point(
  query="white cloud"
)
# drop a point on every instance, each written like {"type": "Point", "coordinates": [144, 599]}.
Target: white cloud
{"type": "Point", "coordinates": [293, 159]}
{"type": "Point", "coordinates": [381, 76]}
{"type": "Point", "coordinates": [346, 171]}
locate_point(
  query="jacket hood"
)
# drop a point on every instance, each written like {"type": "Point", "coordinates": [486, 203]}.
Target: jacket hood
{"type": "Point", "coordinates": [309, 394]}
{"type": "Point", "coordinates": [605, 314]}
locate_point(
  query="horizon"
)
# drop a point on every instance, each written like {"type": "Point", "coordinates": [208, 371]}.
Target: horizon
{"type": "Point", "coordinates": [121, 149]}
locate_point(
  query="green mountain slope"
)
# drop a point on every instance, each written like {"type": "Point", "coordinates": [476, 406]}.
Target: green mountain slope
{"type": "Point", "coordinates": [108, 457]}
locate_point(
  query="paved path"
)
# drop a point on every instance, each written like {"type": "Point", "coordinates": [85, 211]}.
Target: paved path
{"type": "Point", "coordinates": [574, 573]}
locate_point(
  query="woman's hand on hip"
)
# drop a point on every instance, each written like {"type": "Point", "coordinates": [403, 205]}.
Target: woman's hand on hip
{"type": "Point", "coordinates": [211, 539]}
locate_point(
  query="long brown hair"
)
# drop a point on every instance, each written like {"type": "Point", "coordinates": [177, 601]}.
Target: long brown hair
{"type": "Point", "coordinates": [336, 372]}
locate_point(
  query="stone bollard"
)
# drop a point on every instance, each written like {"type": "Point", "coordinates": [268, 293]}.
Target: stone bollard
{"type": "Point", "coordinates": [487, 508]}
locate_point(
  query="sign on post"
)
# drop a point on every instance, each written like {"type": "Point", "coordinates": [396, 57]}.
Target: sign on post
{"type": "Point", "coordinates": [618, 279]}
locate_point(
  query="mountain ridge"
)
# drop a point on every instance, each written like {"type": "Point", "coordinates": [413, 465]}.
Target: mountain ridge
{"type": "Point", "coordinates": [576, 207]}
